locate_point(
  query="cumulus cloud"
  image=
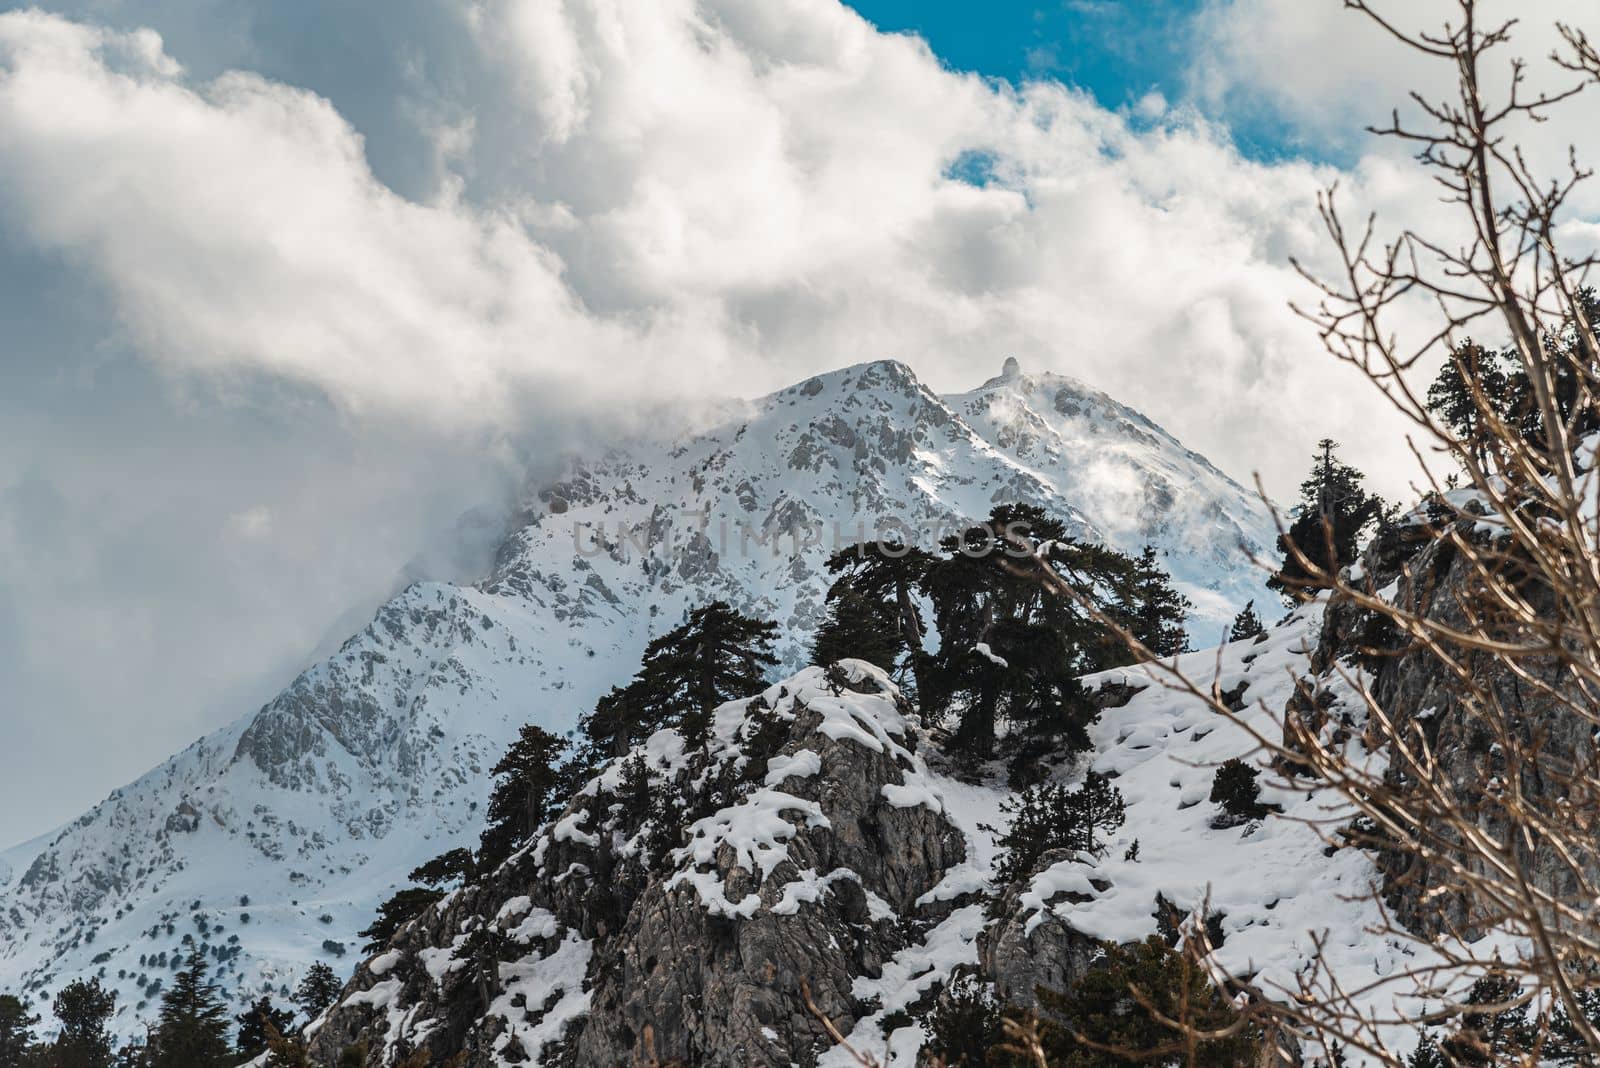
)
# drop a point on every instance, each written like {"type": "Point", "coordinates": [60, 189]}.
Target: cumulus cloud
{"type": "Point", "coordinates": [303, 283]}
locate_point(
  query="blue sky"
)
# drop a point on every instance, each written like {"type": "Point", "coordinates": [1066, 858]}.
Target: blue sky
{"type": "Point", "coordinates": [1116, 50]}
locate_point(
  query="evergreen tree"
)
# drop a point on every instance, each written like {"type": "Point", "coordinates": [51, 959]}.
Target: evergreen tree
{"type": "Point", "coordinates": [452, 868]}
{"type": "Point", "coordinates": [1235, 788]}
{"type": "Point", "coordinates": [1009, 645]}
{"type": "Point", "coordinates": [1566, 1044]}
{"type": "Point", "coordinates": [1427, 1054]}
{"type": "Point", "coordinates": [857, 627]}
{"type": "Point", "coordinates": [405, 906]}
{"type": "Point", "coordinates": [620, 720]}
{"type": "Point", "coordinates": [1335, 510]}
{"type": "Point", "coordinates": [1500, 1032]}
{"type": "Point", "coordinates": [1050, 817]}
{"type": "Point", "coordinates": [1451, 399]}
{"type": "Point", "coordinates": [319, 989]}
{"type": "Point", "coordinates": [16, 1032]}
{"type": "Point", "coordinates": [524, 794]}
{"type": "Point", "coordinates": [1246, 624]}
{"type": "Point", "coordinates": [1158, 611]}
{"type": "Point", "coordinates": [718, 655]}
{"type": "Point", "coordinates": [192, 1031]}
{"type": "Point", "coordinates": [258, 1025]}
{"type": "Point", "coordinates": [83, 1007]}
{"type": "Point", "coordinates": [1102, 1012]}
{"type": "Point", "coordinates": [965, 1026]}
{"type": "Point", "coordinates": [873, 609]}
{"type": "Point", "coordinates": [135, 1054]}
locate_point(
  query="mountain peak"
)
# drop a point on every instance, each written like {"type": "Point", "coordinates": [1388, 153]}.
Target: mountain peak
{"type": "Point", "coordinates": [1011, 368]}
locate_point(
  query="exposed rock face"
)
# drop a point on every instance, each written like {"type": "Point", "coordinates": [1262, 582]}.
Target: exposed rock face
{"type": "Point", "coordinates": [1023, 950]}
{"type": "Point", "coordinates": [1430, 576]}
{"type": "Point", "coordinates": [818, 858]}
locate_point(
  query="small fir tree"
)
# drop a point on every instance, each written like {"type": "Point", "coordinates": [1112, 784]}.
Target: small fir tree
{"type": "Point", "coordinates": [1050, 817]}
{"type": "Point", "coordinates": [964, 1026]}
{"type": "Point", "coordinates": [1427, 1054]}
{"type": "Point", "coordinates": [1246, 625]}
{"type": "Point", "coordinates": [318, 990]}
{"type": "Point", "coordinates": [1236, 789]}
{"type": "Point", "coordinates": [192, 1029]}
{"type": "Point", "coordinates": [1157, 610]}
{"type": "Point", "coordinates": [257, 1026]}
{"type": "Point", "coordinates": [1499, 1032]}
{"type": "Point", "coordinates": [1335, 511]}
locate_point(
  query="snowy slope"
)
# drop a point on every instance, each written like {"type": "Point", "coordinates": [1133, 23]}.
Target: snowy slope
{"type": "Point", "coordinates": [271, 840]}
{"type": "Point", "coordinates": [1272, 880]}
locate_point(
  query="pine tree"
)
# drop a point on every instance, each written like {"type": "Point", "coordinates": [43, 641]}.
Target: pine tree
{"type": "Point", "coordinates": [717, 656]}
{"type": "Point", "coordinates": [1246, 625]}
{"type": "Point", "coordinates": [1048, 817]}
{"type": "Point", "coordinates": [83, 1009]}
{"type": "Point", "coordinates": [319, 989]}
{"type": "Point", "coordinates": [524, 793]}
{"type": "Point", "coordinates": [258, 1025]}
{"type": "Point", "coordinates": [873, 607]}
{"type": "Point", "coordinates": [1235, 788]}
{"type": "Point", "coordinates": [1010, 646]}
{"type": "Point", "coordinates": [1566, 1044]}
{"type": "Point", "coordinates": [857, 627]}
{"type": "Point", "coordinates": [1427, 1054]}
{"type": "Point", "coordinates": [620, 720]}
{"type": "Point", "coordinates": [192, 1031]}
{"type": "Point", "coordinates": [1124, 1003]}
{"type": "Point", "coordinates": [451, 868]}
{"type": "Point", "coordinates": [965, 1026]}
{"type": "Point", "coordinates": [393, 914]}
{"type": "Point", "coordinates": [1336, 510]}
{"type": "Point", "coordinates": [1158, 611]}
{"type": "Point", "coordinates": [1500, 1033]}
{"type": "Point", "coordinates": [1451, 399]}
{"type": "Point", "coordinates": [16, 1032]}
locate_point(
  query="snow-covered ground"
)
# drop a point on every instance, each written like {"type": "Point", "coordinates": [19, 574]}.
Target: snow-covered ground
{"type": "Point", "coordinates": [1272, 881]}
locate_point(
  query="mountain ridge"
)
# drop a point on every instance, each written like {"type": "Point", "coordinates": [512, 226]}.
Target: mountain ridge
{"type": "Point", "coordinates": [270, 840]}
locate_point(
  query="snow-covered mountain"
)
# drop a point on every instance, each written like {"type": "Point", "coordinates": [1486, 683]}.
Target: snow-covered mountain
{"type": "Point", "coordinates": [271, 840]}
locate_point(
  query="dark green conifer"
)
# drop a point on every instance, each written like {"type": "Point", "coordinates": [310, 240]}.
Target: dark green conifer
{"type": "Point", "coordinates": [1246, 624]}
{"type": "Point", "coordinates": [1158, 611]}
{"type": "Point", "coordinates": [525, 793]}
{"type": "Point", "coordinates": [192, 1028]}
{"type": "Point", "coordinates": [16, 1032]}
{"type": "Point", "coordinates": [1335, 511]}
{"type": "Point", "coordinates": [405, 906]}
{"type": "Point", "coordinates": [83, 1008]}
{"type": "Point", "coordinates": [258, 1025]}
{"type": "Point", "coordinates": [319, 989]}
